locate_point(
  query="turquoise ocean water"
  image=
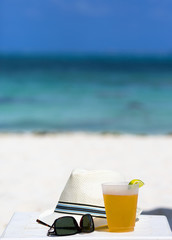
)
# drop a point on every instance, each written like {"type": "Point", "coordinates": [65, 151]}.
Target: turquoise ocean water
{"type": "Point", "coordinates": [118, 94]}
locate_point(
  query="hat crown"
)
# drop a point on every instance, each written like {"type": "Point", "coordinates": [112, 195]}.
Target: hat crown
{"type": "Point", "coordinates": [84, 187]}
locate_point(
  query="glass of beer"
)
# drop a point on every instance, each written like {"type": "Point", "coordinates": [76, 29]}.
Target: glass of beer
{"type": "Point", "coordinates": [120, 205]}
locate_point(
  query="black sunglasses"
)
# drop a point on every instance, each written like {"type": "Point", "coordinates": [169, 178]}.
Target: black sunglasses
{"type": "Point", "coordinates": [64, 226]}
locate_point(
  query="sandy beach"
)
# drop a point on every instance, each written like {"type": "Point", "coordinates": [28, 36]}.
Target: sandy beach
{"type": "Point", "coordinates": [35, 168]}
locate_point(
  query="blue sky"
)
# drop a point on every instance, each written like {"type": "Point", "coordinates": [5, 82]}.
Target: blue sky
{"type": "Point", "coordinates": [85, 26]}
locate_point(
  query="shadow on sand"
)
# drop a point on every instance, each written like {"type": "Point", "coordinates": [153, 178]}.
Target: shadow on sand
{"type": "Point", "coordinates": [161, 211]}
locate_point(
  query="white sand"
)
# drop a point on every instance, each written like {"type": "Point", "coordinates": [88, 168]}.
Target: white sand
{"type": "Point", "coordinates": [34, 168]}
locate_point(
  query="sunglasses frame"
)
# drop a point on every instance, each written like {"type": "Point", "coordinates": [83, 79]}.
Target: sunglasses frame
{"type": "Point", "coordinates": [78, 228]}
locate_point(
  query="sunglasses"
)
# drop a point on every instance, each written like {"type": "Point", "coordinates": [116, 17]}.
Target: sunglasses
{"type": "Point", "coordinates": [64, 226]}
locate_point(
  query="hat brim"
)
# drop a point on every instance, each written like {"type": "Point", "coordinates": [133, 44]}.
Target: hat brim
{"type": "Point", "coordinates": [48, 217]}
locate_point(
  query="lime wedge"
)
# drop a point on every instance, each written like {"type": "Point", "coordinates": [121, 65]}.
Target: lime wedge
{"type": "Point", "coordinates": [136, 181]}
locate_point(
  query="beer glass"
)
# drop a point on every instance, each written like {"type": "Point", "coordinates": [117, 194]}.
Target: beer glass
{"type": "Point", "coordinates": [120, 201]}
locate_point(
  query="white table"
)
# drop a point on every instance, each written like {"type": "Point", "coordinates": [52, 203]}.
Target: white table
{"type": "Point", "coordinates": [24, 226]}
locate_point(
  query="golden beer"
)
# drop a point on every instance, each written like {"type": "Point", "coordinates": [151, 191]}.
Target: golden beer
{"type": "Point", "coordinates": [120, 205]}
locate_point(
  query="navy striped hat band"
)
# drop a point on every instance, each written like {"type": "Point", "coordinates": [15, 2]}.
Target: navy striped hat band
{"type": "Point", "coordinates": [80, 209]}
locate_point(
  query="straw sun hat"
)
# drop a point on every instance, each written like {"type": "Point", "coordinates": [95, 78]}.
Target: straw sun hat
{"type": "Point", "coordinates": [82, 194]}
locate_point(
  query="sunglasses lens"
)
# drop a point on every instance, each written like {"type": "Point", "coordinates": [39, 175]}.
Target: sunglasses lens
{"type": "Point", "coordinates": [65, 226]}
{"type": "Point", "coordinates": [87, 224]}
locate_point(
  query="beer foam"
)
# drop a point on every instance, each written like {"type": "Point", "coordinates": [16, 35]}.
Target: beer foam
{"type": "Point", "coordinates": [111, 189]}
